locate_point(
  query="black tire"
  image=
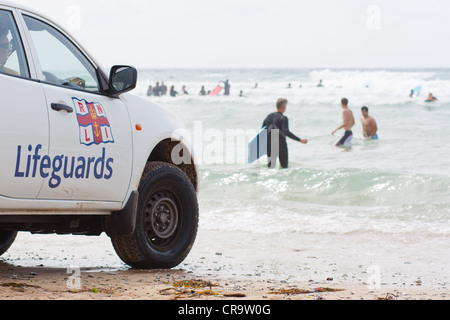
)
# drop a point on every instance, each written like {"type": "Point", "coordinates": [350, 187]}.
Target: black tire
{"type": "Point", "coordinates": [6, 240]}
{"type": "Point", "coordinates": [166, 223]}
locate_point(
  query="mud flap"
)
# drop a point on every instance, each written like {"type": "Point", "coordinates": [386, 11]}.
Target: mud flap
{"type": "Point", "coordinates": [123, 223]}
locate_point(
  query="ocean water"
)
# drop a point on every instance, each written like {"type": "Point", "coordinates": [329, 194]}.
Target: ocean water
{"type": "Point", "coordinates": [399, 184]}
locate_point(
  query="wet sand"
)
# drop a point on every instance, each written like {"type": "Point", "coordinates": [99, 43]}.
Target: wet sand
{"type": "Point", "coordinates": [233, 266]}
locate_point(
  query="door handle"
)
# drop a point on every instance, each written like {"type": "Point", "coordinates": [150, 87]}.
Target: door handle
{"type": "Point", "coordinates": [61, 107]}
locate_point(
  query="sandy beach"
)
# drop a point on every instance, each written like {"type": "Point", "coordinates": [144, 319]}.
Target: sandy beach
{"type": "Point", "coordinates": [233, 266]}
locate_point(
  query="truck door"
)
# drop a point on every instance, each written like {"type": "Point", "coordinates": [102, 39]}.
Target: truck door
{"type": "Point", "coordinates": [90, 155]}
{"type": "Point", "coordinates": [24, 126]}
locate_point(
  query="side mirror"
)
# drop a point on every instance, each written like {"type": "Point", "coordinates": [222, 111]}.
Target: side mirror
{"type": "Point", "coordinates": [122, 79]}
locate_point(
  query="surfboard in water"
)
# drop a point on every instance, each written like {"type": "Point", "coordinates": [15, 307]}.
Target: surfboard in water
{"type": "Point", "coordinates": [416, 91]}
{"type": "Point", "coordinates": [257, 148]}
{"type": "Point", "coordinates": [216, 91]}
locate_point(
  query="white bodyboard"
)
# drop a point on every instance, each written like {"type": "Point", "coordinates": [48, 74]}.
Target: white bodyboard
{"type": "Point", "coordinates": [257, 148]}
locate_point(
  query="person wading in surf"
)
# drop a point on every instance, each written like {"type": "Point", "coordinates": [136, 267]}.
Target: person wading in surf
{"type": "Point", "coordinates": [348, 124]}
{"type": "Point", "coordinates": [369, 125]}
{"type": "Point", "coordinates": [277, 125]}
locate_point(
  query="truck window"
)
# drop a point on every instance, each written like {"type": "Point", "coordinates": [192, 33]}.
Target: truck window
{"type": "Point", "coordinates": [62, 63]}
{"type": "Point", "coordinates": [12, 56]}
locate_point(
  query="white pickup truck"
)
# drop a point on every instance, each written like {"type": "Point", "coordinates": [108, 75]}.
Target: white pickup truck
{"type": "Point", "coordinates": [80, 155]}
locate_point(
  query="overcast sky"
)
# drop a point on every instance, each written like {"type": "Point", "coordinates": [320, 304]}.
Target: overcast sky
{"type": "Point", "coordinates": [258, 33]}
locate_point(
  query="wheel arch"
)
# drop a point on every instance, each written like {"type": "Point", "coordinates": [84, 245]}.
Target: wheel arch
{"type": "Point", "coordinates": [163, 152]}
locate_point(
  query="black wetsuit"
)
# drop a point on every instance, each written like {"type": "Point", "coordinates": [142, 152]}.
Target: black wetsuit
{"type": "Point", "coordinates": [279, 122]}
{"type": "Point", "coordinates": [227, 88]}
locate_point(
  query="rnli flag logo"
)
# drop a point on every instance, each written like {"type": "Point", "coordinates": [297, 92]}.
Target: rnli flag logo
{"type": "Point", "coordinates": [93, 122]}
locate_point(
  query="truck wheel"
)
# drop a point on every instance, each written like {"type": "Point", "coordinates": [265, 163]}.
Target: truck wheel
{"type": "Point", "coordinates": [6, 240]}
{"type": "Point", "coordinates": [166, 222]}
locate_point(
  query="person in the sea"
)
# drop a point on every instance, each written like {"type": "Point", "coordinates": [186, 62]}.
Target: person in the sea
{"type": "Point", "coordinates": [227, 88]}
{"type": "Point", "coordinates": [163, 89]}
{"type": "Point", "coordinates": [157, 90]}
{"type": "Point", "coordinates": [150, 91]}
{"type": "Point", "coordinates": [320, 85]}
{"type": "Point", "coordinates": [431, 98]}
{"type": "Point", "coordinates": [347, 124]}
{"type": "Point", "coordinates": [277, 125]}
{"type": "Point", "coordinates": [184, 91]}
{"type": "Point", "coordinates": [369, 125]}
{"type": "Point", "coordinates": [202, 91]}
{"type": "Point", "coordinates": [173, 93]}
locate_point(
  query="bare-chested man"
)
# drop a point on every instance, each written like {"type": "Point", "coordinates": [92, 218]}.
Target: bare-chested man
{"type": "Point", "coordinates": [348, 124]}
{"type": "Point", "coordinates": [369, 125]}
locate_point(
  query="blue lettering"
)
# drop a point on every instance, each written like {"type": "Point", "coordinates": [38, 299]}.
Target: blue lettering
{"type": "Point", "coordinates": [45, 164]}
{"type": "Point", "coordinates": [79, 172]}
{"type": "Point", "coordinates": [108, 167]}
{"type": "Point", "coordinates": [59, 167]}
{"type": "Point", "coordinates": [29, 161]}
{"type": "Point", "coordinates": [90, 161]}
{"type": "Point", "coordinates": [101, 162]}
{"type": "Point", "coordinates": [18, 174]}
{"type": "Point", "coordinates": [36, 158]}
{"type": "Point", "coordinates": [69, 175]}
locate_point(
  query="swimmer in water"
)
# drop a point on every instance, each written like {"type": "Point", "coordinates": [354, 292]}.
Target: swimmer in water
{"type": "Point", "coordinates": [431, 98]}
{"type": "Point", "coordinates": [369, 125]}
{"type": "Point", "coordinates": [348, 124]}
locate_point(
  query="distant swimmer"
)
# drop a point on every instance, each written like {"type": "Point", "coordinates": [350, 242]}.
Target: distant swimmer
{"type": "Point", "coordinates": [184, 91]}
{"type": "Point", "coordinates": [173, 93]}
{"type": "Point", "coordinates": [369, 125]}
{"type": "Point", "coordinates": [150, 91]}
{"type": "Point", "coordinates": [157, 90]}
{"type": "Point", "coordinates": [202, 91]}
{"type": "Point", "coordinates": [163, 89]}
{"type": "Point", "coordinates": [348, 124]}
{"type": "Point", "coordinates": [431, 98]}
{"type": "Point", "coordinates": [227, 87]}
{"type": "Point", "coordinates": [278, 121]}
{"type": "Point", "coordinates": [320, 85]}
